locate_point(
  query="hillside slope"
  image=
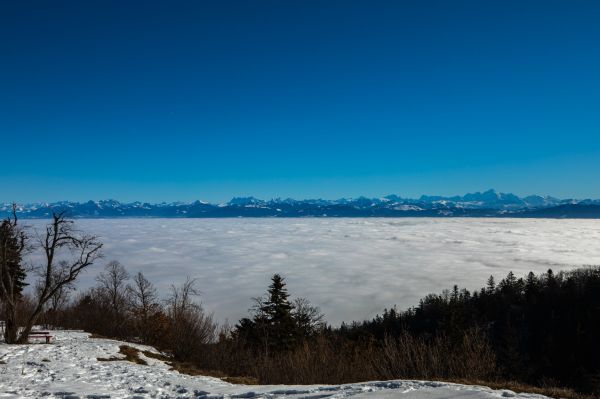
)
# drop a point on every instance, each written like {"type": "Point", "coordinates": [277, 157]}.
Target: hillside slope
{"type": "Point", "coordinates": [69, 368]}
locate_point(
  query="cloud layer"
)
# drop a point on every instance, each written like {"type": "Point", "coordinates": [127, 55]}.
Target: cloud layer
{"type": "Point", "coordinates": [351, 268]}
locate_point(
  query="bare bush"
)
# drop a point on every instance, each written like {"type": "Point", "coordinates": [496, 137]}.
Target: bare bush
{"type": "Point", "coordinates": [112, 287]}
{"type": "Point", "coordinates": [191, 328]}
{"type": "Point", "coordinates": [309, 318]}
{"type": "Point", "coordinates": [408, 356]}
{"type": "Point", "coordinates": [144, 307]}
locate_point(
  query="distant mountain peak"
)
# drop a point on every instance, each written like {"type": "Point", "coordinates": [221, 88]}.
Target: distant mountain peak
{"type": "Point", "coordinates": [490, 203]}
{"type": "Point", "coordinates": [245, 201]}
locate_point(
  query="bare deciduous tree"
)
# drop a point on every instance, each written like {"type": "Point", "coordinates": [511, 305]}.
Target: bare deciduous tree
{"type": "Point", "coordinates": [144, 303]}
{"type": "Point", "coordinates": [191, 327]}
{"type": "Point", "coordinates": [308, 317]}
{"type": "Point", "coordinates": [113, 287]}
{"type": "Point", "coordinates": [60, 297]}
{"type": "Point", "coordinates": [67, 253]}
{"type": "Point", "coordinates": [58, 300]}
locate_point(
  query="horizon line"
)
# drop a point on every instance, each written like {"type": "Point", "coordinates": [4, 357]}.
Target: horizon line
{"type": "Point", "coordinates": [281, 198]}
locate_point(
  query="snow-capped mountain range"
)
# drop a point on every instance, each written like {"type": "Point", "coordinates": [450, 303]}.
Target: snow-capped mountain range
{"type": "Point", "coordinates": [481, 204]}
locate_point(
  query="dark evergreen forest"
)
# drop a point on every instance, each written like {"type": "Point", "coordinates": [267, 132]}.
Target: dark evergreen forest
{"type": "Point", "coordinates": [541, 327]}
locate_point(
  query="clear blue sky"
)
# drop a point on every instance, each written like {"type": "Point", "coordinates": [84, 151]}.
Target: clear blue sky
{"type": "Point", "coordinates": [184, 100]}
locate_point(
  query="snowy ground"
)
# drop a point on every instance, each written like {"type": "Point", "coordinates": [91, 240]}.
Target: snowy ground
{"type": "Point", "coordinates": [351, 268]}
{"type": "Point", "coordinates": [69, 368]}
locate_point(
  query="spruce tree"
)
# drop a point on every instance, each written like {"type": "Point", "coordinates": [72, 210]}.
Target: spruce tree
{"type": "Point", "coordinates": [531, 286]}
{"type": "Point", "coordinates": [491, 285]}
{"type": "Point", "coordinates": [279, 324]}
{"type": "Point", "coordinates": [11, 248]}
{"type": "Point", "coordinates": [276, 311]}
{"type": "Point", "coordinates": [12, 274]}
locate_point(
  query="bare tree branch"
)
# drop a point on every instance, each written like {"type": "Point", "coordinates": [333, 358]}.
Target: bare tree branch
{"type": "Point", "coordinates": [80, 250]}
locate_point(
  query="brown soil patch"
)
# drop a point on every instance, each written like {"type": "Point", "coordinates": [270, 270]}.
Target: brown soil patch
{"type": "Point", "coordinates": [191, 369]}
{"type": "Point", "coordinates": [131, 355]}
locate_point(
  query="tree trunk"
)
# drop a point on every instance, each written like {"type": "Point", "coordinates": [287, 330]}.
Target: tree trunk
{"type": "Point", "coordinates": [29, 325]}
{"type": "Point", "coordinates": [23, 337]}
{"type": "Point", "coordinates": [11, 328]}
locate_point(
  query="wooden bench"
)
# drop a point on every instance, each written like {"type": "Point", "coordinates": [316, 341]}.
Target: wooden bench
{"type": "Point", "coordinates": [41, 334]}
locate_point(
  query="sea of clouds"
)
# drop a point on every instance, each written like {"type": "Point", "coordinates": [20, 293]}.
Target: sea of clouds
{"type": "Point", "coordinates": [351, 268]}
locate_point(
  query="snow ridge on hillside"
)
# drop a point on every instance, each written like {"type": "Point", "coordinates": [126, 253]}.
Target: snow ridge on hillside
{"type": "Point", "coordinates": [69, 369]}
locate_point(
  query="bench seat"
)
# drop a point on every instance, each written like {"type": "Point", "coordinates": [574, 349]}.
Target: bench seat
{"type": "Point", "coordinates": [42, 334]}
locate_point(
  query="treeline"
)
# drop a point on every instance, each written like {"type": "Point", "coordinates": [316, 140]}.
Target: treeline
{"type": "Point", "coordinates": [283, 340]}
{"type": "Point", "coordinates": [541, 330]}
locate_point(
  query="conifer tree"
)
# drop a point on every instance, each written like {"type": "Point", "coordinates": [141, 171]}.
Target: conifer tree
{"type": "Point", "coordinates": [12, 272]}
{"type": "Point", "coordinates": [279, 324]}
{"type": "Point", "coordinates": [277, 312]}
{"type": "Point", "coordinates": [491, 285]}
{"type": "Point", "coordinates": [11, 253]}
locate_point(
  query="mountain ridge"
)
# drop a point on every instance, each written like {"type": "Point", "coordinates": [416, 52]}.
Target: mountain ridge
{"type": "Point", "coordinates": [489, 203]}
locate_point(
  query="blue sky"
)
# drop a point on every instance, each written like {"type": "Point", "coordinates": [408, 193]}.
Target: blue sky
{"type": "Point", "coordinates": [185, 100]}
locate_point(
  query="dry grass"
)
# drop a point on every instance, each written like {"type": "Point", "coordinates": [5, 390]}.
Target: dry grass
{"type": "Point", "coordinates": [131, 355]}
{"type": "Point", "coordinates": [327, 360]}
{"type": "Point", "coordinates": [190, 369]}
{"type": "Point", "coordinates": [518, 387]}
{"type": "Point", "coordinates": [326, 363]}
{"type": "Point", "coordinates": [241, 380]}
{"type": "Point", "coordinates": [98, 336]}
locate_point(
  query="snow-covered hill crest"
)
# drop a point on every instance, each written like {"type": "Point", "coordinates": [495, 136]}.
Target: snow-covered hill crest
{"type": "Point", "coordinates": [69, 368]}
